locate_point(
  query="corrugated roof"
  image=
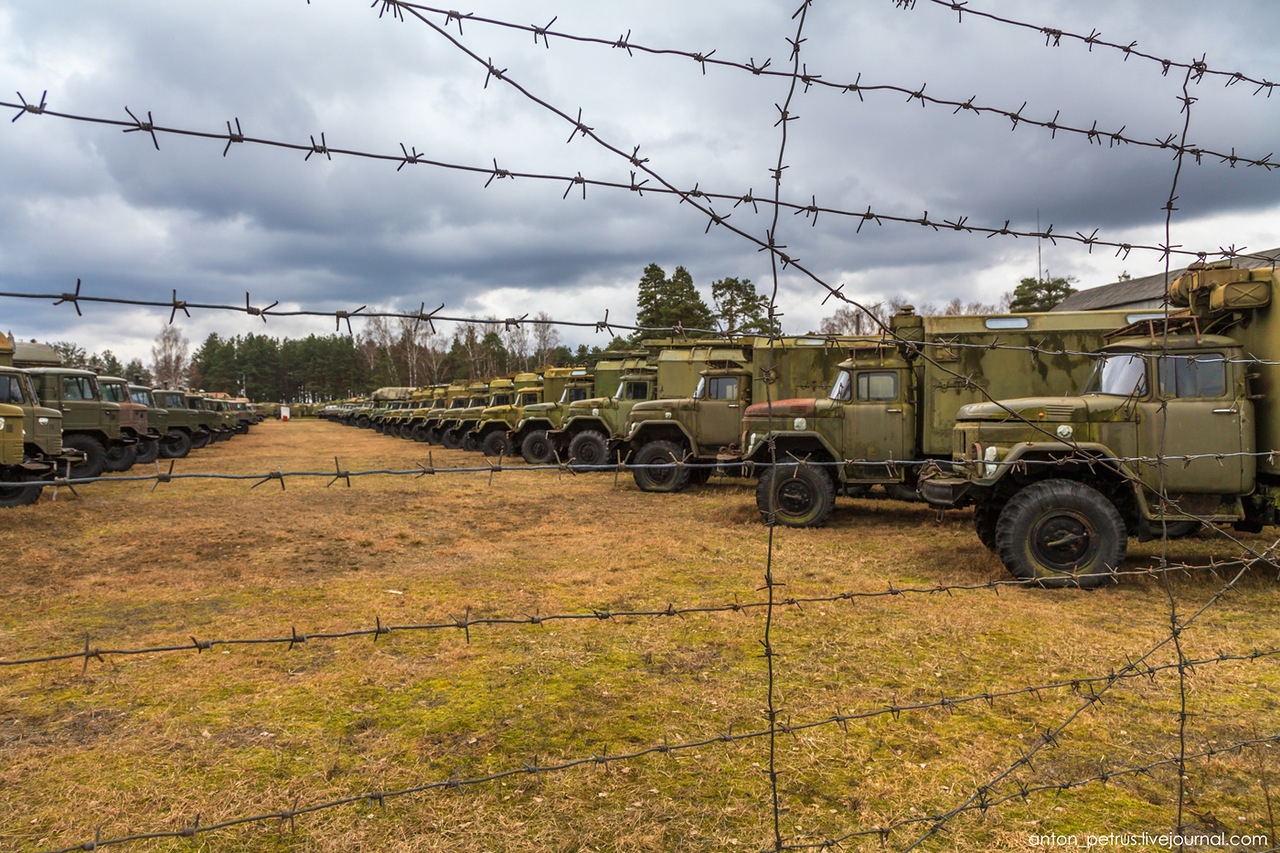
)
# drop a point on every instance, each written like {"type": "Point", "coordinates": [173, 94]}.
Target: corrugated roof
{"type": "Point", "coordinates": [1148, 290]}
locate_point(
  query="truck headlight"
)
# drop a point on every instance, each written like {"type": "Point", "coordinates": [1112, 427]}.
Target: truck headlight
{"type": "Point", "coordinates": [800, 424]}
{"type": "Point", "coordinates": [991, 456]}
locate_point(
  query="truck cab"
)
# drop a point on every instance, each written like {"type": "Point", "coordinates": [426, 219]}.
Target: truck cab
{"type": "Point", "coordinates": [673, 441]}
{"type": "Point", "coordinates": [807, 450]}
{"type": "Point", "coordinates": [90, 424]}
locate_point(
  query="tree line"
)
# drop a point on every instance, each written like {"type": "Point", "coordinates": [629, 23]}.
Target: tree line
{"type": "Point", "coordinates": [408, 352]}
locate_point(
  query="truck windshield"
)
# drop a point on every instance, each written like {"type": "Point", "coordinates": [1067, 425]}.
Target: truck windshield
{"type": "Point", "coordinates": [572, 395]}
{"type": "Point", "coordinates": [11, 390]}
{"type": "Point", "coordinates": [843, 388]}
{"type": "Point", "coordinates": [501, 400]}
{"type": "Point", "coordinates": [1119, 375]}
{"type": "Point", "coordinates": [113, 393]}
{"type": "Point", "coordinates": [632, 389]}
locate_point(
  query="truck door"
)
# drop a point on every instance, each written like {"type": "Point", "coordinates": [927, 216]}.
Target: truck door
{"type": "Point", "coordinates": [719, 413]}
{"type": "Point", "coordinates": [878, 423]}
{"type": "Point", "coordinates": [1204, 416]}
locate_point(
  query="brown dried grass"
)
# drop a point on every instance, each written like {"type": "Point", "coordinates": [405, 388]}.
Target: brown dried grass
{"type": "Point", "coordinates": [148, 742]}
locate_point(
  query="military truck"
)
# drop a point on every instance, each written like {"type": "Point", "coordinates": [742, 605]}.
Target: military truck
{"type": "Point", "coordinates": [536, 408]}
{"type": "Point", "coordinates": [184, 430]}
{"type": "Point", "coordinates": [16, 471]}
{"type": "Point", "coordinates": [668, 442]}
{"type": "Point", "coordinates": [458, 422]}
{"type": "Point", "coordinates": [532, 435]}
{"type": "Point", "coordinates": [425, 425]}
{"type": "Point", "coordinates": [90, 424]}
{"type": "Point", "coordinates": [1178, 424]}
{"type": "Point", "coordinates": [893, 403]}
{"type": "Point", "coordinates": [134, 422]}
{"type": "Point", "coordinates": [41, 425]}
{"type": "Point", "coordinates": [212, 425]}
{"type": "Point", "coordinates": [505, 393]}
{"type": "Point", "coordinates": [157, 421]}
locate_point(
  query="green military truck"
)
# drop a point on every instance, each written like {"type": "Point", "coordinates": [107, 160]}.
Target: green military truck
{"type": "Point", "coordinates": [481, 394]}
{"type": "Point", "coordinates": [16, 471]}
{"type": "Point", "coordinates": [134, 422]}
{"type": "Point", "coordinates": [212, 425]}
{"type": "Point", "coordinates": [507, 395]}
{"type": "Point", "coordinates": [668, 442]}
{"type": "Point", "coordinates": [184, 429]}
{"type": "Point", "coordinates": [587, 425]}
{"type": "Point", "coordinates": [157, 420]}
{"type": "Point", "coordinates": [90, 424]}
{"type": "Point", "coordinates": [1178, 424]}
{"type": "Point", "coordinates": [892, 405]}
{"type": "Point", "coordinates": [521, 423]}
{"type": "Point", "coordinates": [425, 426]}
{"type": "Point", "coordinates": [41, 425]}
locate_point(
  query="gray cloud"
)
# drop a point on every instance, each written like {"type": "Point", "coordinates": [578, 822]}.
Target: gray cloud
{"type": "Point", "coordinates": [88, 201]}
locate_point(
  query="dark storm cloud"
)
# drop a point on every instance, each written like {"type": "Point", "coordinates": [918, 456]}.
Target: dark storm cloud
{"type": "Point", "coordinates": [91, 202]}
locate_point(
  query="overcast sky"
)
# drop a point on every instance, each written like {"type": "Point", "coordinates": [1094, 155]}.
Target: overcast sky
{"type": "Point", "coordinates": [84, 200]}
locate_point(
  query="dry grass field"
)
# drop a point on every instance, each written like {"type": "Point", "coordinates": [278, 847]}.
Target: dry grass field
{"type": "Point", "coordinates": [154, 742]}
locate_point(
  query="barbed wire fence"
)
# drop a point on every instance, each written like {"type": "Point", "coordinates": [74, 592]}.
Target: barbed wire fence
{"type": "Point", "coordinates": [1002, 787]}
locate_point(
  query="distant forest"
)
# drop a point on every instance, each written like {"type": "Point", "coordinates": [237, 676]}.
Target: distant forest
{"type": "Point", "coordinates": [405, 352]}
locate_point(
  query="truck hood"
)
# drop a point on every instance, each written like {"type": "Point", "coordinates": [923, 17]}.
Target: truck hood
{"type": "Point", "coordinates": [1095, 407]}
{"type": "Point", "coordinates": [798, 407]}
{"type": "Point", "coordinates": [654, 409]}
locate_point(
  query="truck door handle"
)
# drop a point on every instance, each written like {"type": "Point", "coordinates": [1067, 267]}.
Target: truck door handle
{"type": "Point", "coordinates": [1224, 411]}
{"type": "Point", "coordinates": [734, 406]}
{"type": "Point", "coordinates": [894, 411]}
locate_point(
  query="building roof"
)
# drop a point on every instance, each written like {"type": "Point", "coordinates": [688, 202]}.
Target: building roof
{"type": "Point", "coordinates": [1148, 291]}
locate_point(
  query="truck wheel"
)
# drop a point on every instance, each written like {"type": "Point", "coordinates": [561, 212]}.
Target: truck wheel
{"type": "Point", "coordinates": [95, 461]}
{"type": "Point", "coordinates": [537, 448]}
{"type": "Point", "coordinates": [589, 448]}
{"type": "Point", "coordinates": [1061, 533]}
{"type": "Point", "coordinates": [434, 436]}
{"type": "Point", "coordinates": [495, 444]}
{"type": "Point", "coordinates": [418, 433]}
{"type": "Point", "coordinates": [175, 445]}
{"type": "Point", "coordinates": [656, 467]}
{"type": "Point", "coordinates": [901, 492]}
{"type": "Point", "coordinates": [201, 439]}
{"type": "Point", "coordinates": [451, 440]}
{"type": "Point", "coordinates": [985, 517]}
{"type": "Point", "coordinates": [148, 450]}
{"type": "Point", "coordinates": [470, 442]}
{"type": "Point", "coordinates": [795, 495]}
{"type": "Point", "coordinates": [18, 493]}
{"type": "Point", "coordinates": [120, 457]}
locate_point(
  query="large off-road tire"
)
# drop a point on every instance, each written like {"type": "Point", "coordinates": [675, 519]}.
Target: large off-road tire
{"type": "Point", "coordinates": [418, 432]}
{"type": "Point", "coordinates": [120, 457]}
{"type": "Point", "coordinates": [985, 517]}
{"type": "Point", "coordinates": [589, 448]}
{"type": "Point", "coordinates": [95, 461]}
{"type": "Point", "coordinates": [537, 448]}
{"type": "Point", "coordinates": [452, 440]}
{"type": "Point", "coordinates": [1061, 533]}
{"type": "Point", "coordinates": [656, 467]}
{"type": "Point", "coordinates": [471, 442]}
{"type": "Point", "coordinates": [495, 444]}
{"type": "Point", "coordinates": [175, 445]}
{"type": "Point", "coordinates": [148, 451]}
{"type": "Point", "coordinates": [795, 495]}
{"type": "Point", "coordinates": [18, 492]}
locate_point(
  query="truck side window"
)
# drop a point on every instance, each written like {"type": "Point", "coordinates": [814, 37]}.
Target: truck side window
{"type": "Point", "coordinates": [635, 390]}
{"type": "Point", "coordinates": [10, 391]}
{"type": "Point", "coordinates": [71, 389]}
{"type": "Point", "coordinates": [877, 386]}
{"type": "Point", "coordinates": [1203, 375]}
{"type": "Point", "coordinates": [722, 388]}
